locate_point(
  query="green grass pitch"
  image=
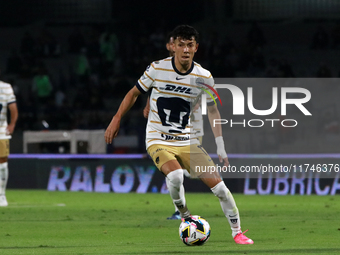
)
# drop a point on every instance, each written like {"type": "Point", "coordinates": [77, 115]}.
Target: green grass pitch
{"type": "Point", "coordinates": [41, 222]}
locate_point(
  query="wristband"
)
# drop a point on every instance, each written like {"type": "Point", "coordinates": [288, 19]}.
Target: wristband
{"type": "Point", "coordinates": [219, 141]}
{"type": "Point", "coordinates": [220, 147]}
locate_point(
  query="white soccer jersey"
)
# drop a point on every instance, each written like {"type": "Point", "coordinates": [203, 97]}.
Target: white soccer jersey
{"type": "Point", "coordinates": [173, 94]}
{"type": "Point", "coordinates": [6, 97]}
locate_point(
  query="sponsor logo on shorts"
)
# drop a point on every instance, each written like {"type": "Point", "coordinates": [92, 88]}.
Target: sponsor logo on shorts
{"type": "Point", "coordinates": [158, 150]}
{"type": "Point", "coordinates": [176, 138]}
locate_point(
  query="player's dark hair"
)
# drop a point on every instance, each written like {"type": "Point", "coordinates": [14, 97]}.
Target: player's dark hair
{"type": "Point", "coordinates": [185, 32]}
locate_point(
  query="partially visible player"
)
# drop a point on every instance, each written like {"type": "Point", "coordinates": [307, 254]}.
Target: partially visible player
{"type": "Point", "coordinates": [169, 41]}
{"type": "Point", "coordinates": [169, 138]}
{"type": "Point", "coordinates": [7, 100]}
{"type": "Point", "coordinates": [197, 122]}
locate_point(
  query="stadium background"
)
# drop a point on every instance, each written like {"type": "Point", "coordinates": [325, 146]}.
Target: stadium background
{"type": "Point", "coordinates": [94, 51]}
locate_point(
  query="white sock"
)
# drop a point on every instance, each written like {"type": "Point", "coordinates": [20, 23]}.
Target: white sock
{"type": "Point", "coordinates": [181, 193]}
{"type": "Point", "coordinates": [228, 206]}
{"type": "Point", "coordinates": [176, 189]}
{"type": "Point", "coordinates": [3, 177]}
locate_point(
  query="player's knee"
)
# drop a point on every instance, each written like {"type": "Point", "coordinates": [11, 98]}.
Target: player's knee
{"type": "Point", "coordinates": [176, 178]}
{"type": "Point", "coordinates": [221, 191]}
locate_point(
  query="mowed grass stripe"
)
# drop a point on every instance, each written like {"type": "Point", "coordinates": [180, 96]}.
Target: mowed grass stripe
{"type": "Point", "coordinates": [101, 223]}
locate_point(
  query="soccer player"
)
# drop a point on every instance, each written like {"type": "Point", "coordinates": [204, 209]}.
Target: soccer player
{"type": "Point", "coordinates": [7, 100]}
{"type": "Point", "coordinates": [197, 124]}
{"type": "Point", "coordinates": [168, 46]}
{"type": "Point", "coordinates": [176, 215]}
{"type": "Point", "coordinates": [169, 140]}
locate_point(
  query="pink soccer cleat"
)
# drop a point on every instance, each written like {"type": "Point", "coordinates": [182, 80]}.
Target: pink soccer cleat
{"type": "Point", "coordinates": [240, 238]}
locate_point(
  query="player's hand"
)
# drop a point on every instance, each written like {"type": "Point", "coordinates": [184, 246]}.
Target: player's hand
{"type": "Point", "coordinates": [222, 156]}
{"type": "Point", "coordinates": [146, 111]}
{"type": "Point", "coordinates": [112, 130]}
{"type": "Point", "coordinates": [10, 129]}
{"type": "Point", "coordinates": [225, 160]}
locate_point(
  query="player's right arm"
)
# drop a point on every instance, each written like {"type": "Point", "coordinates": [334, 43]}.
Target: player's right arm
{"type": "Point", "coordinates": [14, 117]}
{"type": "Point", "coordinates": [128, 101]}
{"type": "Point", "coordinates": [142, 86]}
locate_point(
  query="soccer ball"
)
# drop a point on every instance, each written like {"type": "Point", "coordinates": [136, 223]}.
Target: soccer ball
{"type": "Point", "coordinates": [194, 232]}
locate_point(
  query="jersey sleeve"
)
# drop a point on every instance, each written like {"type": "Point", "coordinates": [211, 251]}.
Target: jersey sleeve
{"type": "Point", "coordinates": [211, 83]}
{"type": "Point", "coordinates": [147, 79]}
{"type": "Point", "coordinates": [10, 95]}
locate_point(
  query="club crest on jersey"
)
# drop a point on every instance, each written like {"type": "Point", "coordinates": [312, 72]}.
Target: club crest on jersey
{"type": "Point", "coordinates": [204, 87]}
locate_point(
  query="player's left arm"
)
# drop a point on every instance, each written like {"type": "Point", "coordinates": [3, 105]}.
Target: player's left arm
{"type": "Point", "coordinates": [14, 117]}
{"type": "Point", "coordinates": [213, 113]}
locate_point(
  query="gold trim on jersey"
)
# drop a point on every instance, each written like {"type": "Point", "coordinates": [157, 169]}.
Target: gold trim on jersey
{"type": "Point", "coordinates": [154, 100]}
{"type": "Point", "coordinates": [202, 76]}
{"type": "Point", "coordinates": [152, 140]}
{"type": "Point", "coordinates": [179, 83]}
{"type": "Point", "coordinates": [175, 134]}
{"type": "Point", "coordinates": [142, 84]}
{"type": "Point", "coordinates": [172, 70]}
{"type": "Point", "coordinates": [154, 111]}
{"type": "Point", "coordinates": [156, 122]}
{"type": "Point", "coordinates": [149, 76]}
{"type": "Point", "coordinates": [153, 131]}
{"type": "Point", "coordinates": [9, 99]}
{"type": "Point", "coordinates": [163, 69]}
{"type": "Point", "coordinates": [160, 123]}
{"type": "Point", "coordinates": [174, 82]}
{"type": "Point", "coordinates": [4, 93]}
